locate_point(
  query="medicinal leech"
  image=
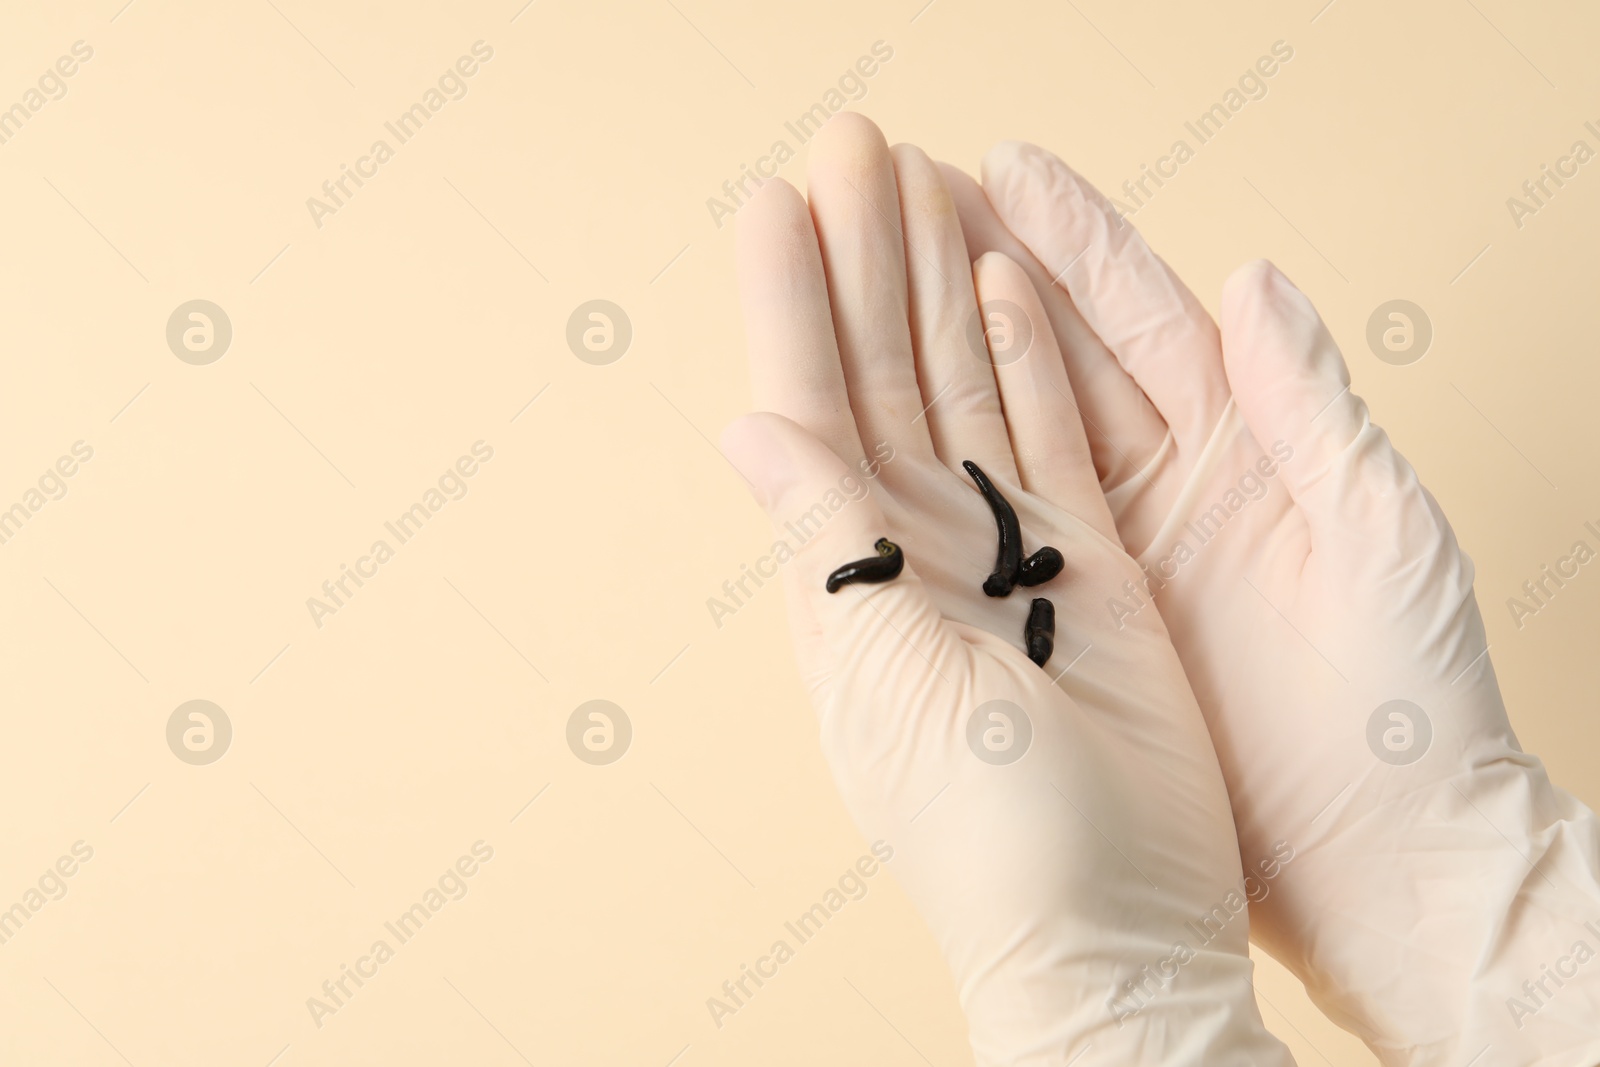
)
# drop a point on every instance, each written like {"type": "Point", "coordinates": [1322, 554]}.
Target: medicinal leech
{"type": "Point", "coordinates": [1010, 568]}
{"type": "Point", "coordinates": [1040, 632]}
{"type": "Point", "coordinates": [887, 564]}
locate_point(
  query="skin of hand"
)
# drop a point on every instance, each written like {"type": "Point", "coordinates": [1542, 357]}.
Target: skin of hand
{"type": "Point", "coordinates": [1064, 831]}
{"type": "Point", "coordinates": [1444, 897]}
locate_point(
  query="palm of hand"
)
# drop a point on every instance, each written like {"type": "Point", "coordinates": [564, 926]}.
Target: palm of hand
{"type": "Point", "coordinates": [1049, 871]}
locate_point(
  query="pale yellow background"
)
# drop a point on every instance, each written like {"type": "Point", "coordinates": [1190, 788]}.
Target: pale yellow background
{"type": "Point", "coordinates": [372, 352]}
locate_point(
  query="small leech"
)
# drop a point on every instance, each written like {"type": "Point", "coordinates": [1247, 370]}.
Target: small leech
{"type": "Point", "coordinates": [1040, 631]}
{"type": "Point", "coordinates": [887, 564]}
{"type": "Point", "coordinates": [1042, 566]}
{"type": "Point", "coordinates": [1010, 568]}
{"type": "Point", "coordinates": [1008, 561]}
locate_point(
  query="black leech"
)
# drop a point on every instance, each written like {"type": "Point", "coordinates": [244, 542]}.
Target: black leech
{"type": "Point", "coordinates": [1042, 566]}
{"type": "Point", "coordinates": [887, 564]}
{"type": "Point", "coordinates": [1008, 561]}
{"type": "Point", "coordinates": [1040, 632]}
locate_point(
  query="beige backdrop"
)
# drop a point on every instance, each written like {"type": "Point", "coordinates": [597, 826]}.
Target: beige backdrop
{"type": "Point", "coordinates": [376, 340]}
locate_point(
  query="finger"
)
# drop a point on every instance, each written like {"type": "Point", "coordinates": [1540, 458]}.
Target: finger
{"type": "Point", "coordinates": [961, 405]}
{"type": "Point", "coordinates": [851, 187]}
{"type": "Point", "coordinates": [881, 637]}
{"type": "Point", "coordinates": [1125, 431]}
{"type": "Point", "coordinates": [1047, 438]}
{"type": "Point", "coordinates": [1359, 495]}
{"type": "Point", "coordinates": [794, 362]}
{"type": "Point", "coordinates": [1146, 316]}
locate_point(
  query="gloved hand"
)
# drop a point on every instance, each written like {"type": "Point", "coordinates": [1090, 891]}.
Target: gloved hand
{"type": "Point", "coordinates": [1063, 830]}
{"type": "Point", "coordinates": [1444, 899]}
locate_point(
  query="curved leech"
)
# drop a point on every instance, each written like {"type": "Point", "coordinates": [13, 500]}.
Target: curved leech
{"type": "Point", "coordinates": [1008, 559]}
{"type": "Point", "coordinates": [1040, 631]}
{"type": "Point", "coordinates": [1042, 566]}
{"type": "Point", "coordinates": [887, 564]}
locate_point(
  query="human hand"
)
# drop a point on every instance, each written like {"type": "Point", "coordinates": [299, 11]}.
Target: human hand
{"type": "Point", "coordinates": [1310, 583]}
{"type": "Point", "coordinates": [1060, 875]}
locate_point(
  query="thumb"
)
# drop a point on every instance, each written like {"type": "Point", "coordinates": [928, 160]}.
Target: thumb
{"type": "Point", "coordinates": [1293, 390]}
{"type": "Point", "coordinates": [825, 517]}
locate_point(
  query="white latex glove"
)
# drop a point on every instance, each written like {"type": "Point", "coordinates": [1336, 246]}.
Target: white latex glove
{"type": "Point", "coordinates": [1053, 881]}
{"type": "Point", "coordinates": [1443, 903]}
